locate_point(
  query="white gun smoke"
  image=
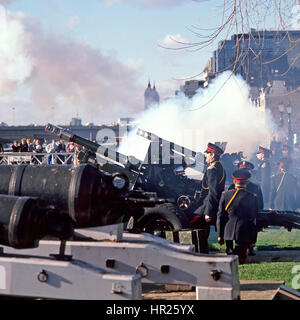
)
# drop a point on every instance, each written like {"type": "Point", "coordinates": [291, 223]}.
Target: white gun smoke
{"type": "Point", "coordinates": [222, 112]}
{"type": "Point", "coordinates": [60, 78]}
{"type": "Point", "coordinates": [4, 2]}
{"type": "Point", "coordinates": [16, 66]}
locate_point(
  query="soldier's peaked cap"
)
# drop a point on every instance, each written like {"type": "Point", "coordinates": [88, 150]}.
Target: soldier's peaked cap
{"type": "Point", "coordinates": [214, 148]}
{"type": "Point", "coordinates": [263, 150]}
{"type": "Point", "coordinates": [245, 165]}
{"type": "Point", "coordinates": [241, 175]}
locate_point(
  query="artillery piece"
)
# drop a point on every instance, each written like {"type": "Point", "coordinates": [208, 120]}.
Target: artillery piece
{"type": "Point", "coordinates": [24, 226]}
{"type": "Point", "coordinates": [89, 196]}
{"type": "Point", "coordinates": [48, 203]}
{"type": "Point", "coordinates": [154, 174]}
{"type": "Point", "coordinates": [93, 262]}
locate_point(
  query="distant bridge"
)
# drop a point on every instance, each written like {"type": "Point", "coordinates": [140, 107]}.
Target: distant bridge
{"type": "Point", "coordinates": [10, 133]}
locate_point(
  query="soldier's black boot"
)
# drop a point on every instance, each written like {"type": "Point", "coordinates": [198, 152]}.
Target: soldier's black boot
{"type": "Point", "coordinates": [251, 252]}
{"type": "Point", "coordinates": [229, 247]}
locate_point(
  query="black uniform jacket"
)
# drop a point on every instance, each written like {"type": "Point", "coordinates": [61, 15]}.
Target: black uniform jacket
{"type": "Point", "coordinates": [238, 222]}
{"type": "Point", "coordinates": [264, 179]}
{"type": "Point", "coordinates": [256, 190]}
{"type": "Point", "coordinates": [214, 182]}
{"type": "Point", "coordinates": [285, 193]}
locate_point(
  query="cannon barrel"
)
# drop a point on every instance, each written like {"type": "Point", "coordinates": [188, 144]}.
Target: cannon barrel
{"type": "Point", "coordinates": [23, 222]}
{"type": "Point", "coordinates": [176, 154]}
{"type": "Point", "coordinates": [73, 190]}
{"type": "Point", "coordinates": [89, 196]}
{"type": "Point", "coordinates": [109, 160]}
{"type": "Point", "coordinates": [69, 136]}
{"type": "Point", "coordinates": [281, 218]}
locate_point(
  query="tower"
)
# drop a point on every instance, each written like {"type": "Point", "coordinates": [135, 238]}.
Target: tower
{"type": "Point", "coordinates": [151, 96]}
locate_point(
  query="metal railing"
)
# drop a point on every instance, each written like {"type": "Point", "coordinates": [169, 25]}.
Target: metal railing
{"type": "Point", "coordinates": [38, 158]}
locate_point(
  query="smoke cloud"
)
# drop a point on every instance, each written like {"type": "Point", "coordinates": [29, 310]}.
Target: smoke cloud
{"type": "Point", "coordinates": [63, 78]}
{"type": "Point", "coordinates": [4, 2]}
{"type": "Point", "coordinates": [220, 113]}
{"type": "Point", "coordinates": [15, 63]}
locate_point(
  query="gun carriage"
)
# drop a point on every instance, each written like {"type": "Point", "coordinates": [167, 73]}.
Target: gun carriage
{"type": "Point", "coordinates": [154, 174]}
{"type": "Point", "coordinates": [61, 239]}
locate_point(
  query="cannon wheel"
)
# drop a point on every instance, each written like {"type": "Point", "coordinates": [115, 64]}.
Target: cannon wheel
{"type": "Point", "coordinates": [158, 219]}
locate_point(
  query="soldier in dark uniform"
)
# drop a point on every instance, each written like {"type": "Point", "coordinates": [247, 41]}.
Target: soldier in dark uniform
{"type": "Point", "coordinates": [253, 188]}
{"type": "Point", "coordinates": [213, 183]}
{"type": "Point", "coordinates": [236, 217]}
{"type": "Point", "coordinates": [285, 193]}
{"type": "Point", "coordinates": [263, 175]}
{"type": "Point", "coordinates": [287, 153]}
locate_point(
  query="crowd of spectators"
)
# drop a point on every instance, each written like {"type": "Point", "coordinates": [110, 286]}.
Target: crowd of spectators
{"type": "Point", "coordinates": [54, 147]}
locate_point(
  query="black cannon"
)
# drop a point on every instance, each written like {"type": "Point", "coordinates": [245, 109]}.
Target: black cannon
{"type": "Point", "coordinates": [162, 170]}
{"type": "Point", "coordinates": [89, 196]}
{"type": "Point", "coordinates": [23, 222]}
{"type": "Point", "coordinates": [288, 219]}
{"type": "Point", "coordinates": [152, 174]}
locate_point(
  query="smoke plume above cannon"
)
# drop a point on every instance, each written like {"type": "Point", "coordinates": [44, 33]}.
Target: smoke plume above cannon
{"type": "Point", "coordinates": [221, 112]}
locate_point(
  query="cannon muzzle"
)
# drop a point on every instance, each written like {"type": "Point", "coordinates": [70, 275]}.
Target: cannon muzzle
{"type": "Point", "coordinates": [23, 222]}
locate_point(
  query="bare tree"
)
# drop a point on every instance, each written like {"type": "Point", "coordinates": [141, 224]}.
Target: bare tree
{"type": "Point", "coordinates": [248, 23]}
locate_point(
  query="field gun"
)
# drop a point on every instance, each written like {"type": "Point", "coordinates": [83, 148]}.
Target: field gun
{"type": "Point", "coordinates": [164, 167]}
{"type": "Point", "coordinates": [161, 172]}
{"type": "Point", "coordinates": [33, 258]}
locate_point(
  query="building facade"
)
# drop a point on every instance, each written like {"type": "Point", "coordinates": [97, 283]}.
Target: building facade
{"type": "Point", "coordinates": [261, 57]}
{"type": "Point", "coordinates": [190, 87]}
{"type": "Point", "coordinates": [269, 62]}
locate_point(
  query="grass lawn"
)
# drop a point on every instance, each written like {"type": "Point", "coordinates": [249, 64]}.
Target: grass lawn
{"type": "Point", "coordinates": [270, 239]}
{"type": "Point", "coordinates": [270, 271]}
